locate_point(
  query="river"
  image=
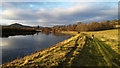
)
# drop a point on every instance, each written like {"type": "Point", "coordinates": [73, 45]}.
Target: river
{"type": "Point", "coordinates": [21, 45]}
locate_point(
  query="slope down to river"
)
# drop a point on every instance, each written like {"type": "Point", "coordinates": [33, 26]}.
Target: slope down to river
{"type": "Point", "coordinates": [53, 56]}
{"type": "Point", "coordinates": [79, 50]}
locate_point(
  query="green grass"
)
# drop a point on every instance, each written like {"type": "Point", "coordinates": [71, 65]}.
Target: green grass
{"type": "Point", "coordinates": [112, 58]}
{"type": "Point", "coordinates": [110, 37]}
{"type": "Point", "coordinates": [89, 55]}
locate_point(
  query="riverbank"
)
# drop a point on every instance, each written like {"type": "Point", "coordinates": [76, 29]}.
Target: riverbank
{"type": "Point", "coordinates": [79, 50]}
{"type": "Point", "coordinates": [52, 56]}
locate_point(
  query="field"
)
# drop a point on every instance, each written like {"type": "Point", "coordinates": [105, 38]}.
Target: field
{"type": "Point", "coordinates": [110, 37]}
{"type": "Point", "coordinates": [79, 50]}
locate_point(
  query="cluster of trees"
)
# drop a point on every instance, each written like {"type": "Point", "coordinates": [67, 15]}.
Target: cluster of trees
{"type": "Point", "coordinates": [93, 26]}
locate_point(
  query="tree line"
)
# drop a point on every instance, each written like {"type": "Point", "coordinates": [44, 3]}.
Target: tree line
{"type": "Point", "coordinates": [13, 29]}
{"type": "Point", "coordinates": [93, 26]}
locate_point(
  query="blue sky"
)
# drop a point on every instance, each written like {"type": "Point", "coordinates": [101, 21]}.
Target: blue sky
{"type": "Point", "coordinates": [57, 13]}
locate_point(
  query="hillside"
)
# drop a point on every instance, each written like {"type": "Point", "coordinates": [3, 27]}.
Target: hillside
{"type": "Point", "coordinates": [79, 50]}
{"type": "Point", "coordinates": [20, 25]}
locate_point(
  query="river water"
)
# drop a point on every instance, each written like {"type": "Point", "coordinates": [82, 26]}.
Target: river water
{"type": "Point", "coordinates": [21, 45]}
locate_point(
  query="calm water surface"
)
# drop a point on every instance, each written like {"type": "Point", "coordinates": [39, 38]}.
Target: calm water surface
{"type": "Point", "coordinates": [21, 45]}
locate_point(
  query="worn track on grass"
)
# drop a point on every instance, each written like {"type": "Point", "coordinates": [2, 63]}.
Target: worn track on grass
{"type": "Point", "coordinates": [112, 58]}
{"type": "Point", "coordinates": [89, 55]}
{"type": "Point", "coordinates": [96, 53]}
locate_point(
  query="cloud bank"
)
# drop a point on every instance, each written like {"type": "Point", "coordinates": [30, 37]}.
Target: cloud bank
{"type": "Point", "coordinates": [84, 12]}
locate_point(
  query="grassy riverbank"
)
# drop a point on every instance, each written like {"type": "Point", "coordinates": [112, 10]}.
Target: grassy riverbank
{"type": "Point", "coordinates": [79, 50]}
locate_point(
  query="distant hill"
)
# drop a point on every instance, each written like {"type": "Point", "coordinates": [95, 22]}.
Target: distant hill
{"type": "Point", "coordinates": [24, 26]}
{"type": "Point", "coordinates": [20, 25]}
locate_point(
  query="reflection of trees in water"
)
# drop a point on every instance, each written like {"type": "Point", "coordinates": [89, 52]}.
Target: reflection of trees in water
{"type": "Point", "coordinates": [13, 34]}
{"type": "Point", "coordinates": [46, 32]}
{"type": "Point", "coordinates": [32, 33]}
{"type": "Point", "coordinates": [59, 34]}
{"type": "Point", "coordinates": [54, 33]}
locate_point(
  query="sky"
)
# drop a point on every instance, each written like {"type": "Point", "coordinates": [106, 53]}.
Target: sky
{"type": "Point", "coordinates": [57, 13]}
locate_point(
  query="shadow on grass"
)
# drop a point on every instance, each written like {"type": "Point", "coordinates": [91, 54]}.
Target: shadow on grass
{"type": "Point", "coordinates": [69, 55]}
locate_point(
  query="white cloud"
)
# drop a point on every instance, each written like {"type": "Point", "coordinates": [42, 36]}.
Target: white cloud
{"type": "Point", "coordinates": [41, 20]}
{"type": "Point", "coordinates": [9, 14]}
{"type": "Point", "coordinates": [58, 24]}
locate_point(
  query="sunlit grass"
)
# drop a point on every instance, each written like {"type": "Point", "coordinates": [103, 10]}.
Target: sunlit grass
{"type": "Point", "coordinates": [77, 51]}
{"type": "Point", "coordinates": [52, 56]}
{"type": "Point", "coordinates": [109, 37]}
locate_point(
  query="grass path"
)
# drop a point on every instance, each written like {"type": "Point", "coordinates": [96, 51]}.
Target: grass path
{"type": "Point", "coordinates": [97, 53]}
{"type": "Point", "coordinates": [111, 57]}
{"type": "Point", "coordinates": [89, 55]}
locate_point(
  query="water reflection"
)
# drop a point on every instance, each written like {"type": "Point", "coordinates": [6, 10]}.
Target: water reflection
{"type": "Point", "coordinates": [21, 45]}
